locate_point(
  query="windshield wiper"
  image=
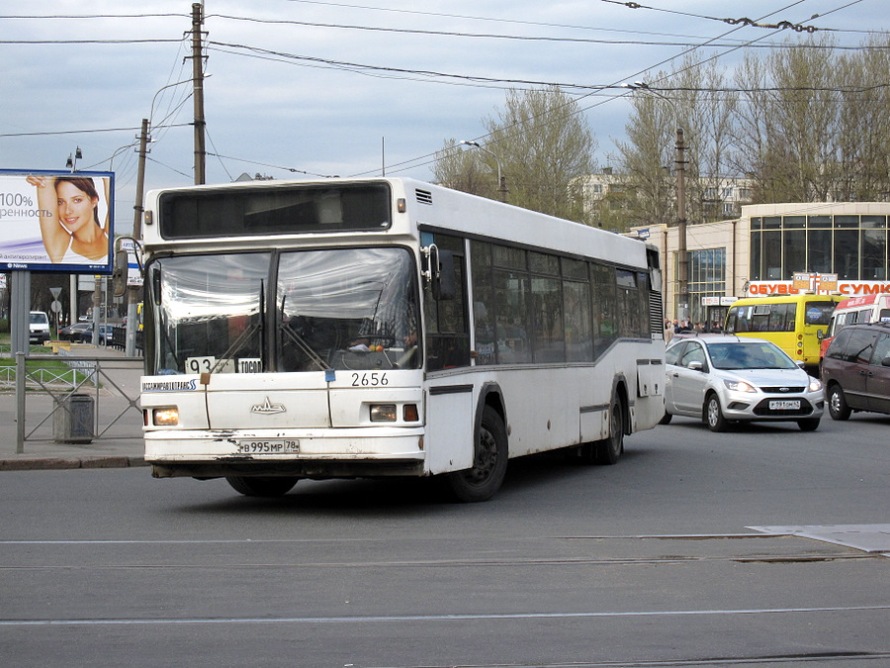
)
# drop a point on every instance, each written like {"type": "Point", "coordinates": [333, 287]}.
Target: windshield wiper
{"type": "Point", "coordinates": [245, 335]}
{"type": "Point", "coordinates": [301, 343]}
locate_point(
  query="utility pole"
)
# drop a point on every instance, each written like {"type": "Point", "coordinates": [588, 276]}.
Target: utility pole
{"type": "Point", "coordinates": [198, 84]}
{"type": "Point", "coordinates": [133, 292]}
{"type": "Point", "coordinates": [682, 256]}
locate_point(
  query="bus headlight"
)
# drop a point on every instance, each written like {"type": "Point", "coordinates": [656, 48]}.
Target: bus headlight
{"type": "Point", "coordinates": [390, 413]}
{"type": "Point", "coordinates": [383, 413]}
{"type": "Point", "coordinates": [165, 416]}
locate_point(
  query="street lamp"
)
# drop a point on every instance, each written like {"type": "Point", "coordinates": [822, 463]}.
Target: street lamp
{"type": "Point", "coordinates": [502, 181]}
{"type": "Point", "coordinates": [683, 260]}
{"type": "Point", "coordinates": [72, 161]}
{"type": "Point", "coordinates": [72, 278]}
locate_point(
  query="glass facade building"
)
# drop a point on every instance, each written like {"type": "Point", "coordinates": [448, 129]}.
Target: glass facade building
{"type": "Point", "coordinates": [852, 246]}
{"type": "Point", "coordinates": [760, 252]}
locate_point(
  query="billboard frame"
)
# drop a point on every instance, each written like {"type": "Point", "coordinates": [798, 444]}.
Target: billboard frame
{"type": "Point", "coordinates": [22, 246]}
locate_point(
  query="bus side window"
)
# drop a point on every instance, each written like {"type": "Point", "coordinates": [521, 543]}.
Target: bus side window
{"type": "Point", "coordinates": [447, 342]}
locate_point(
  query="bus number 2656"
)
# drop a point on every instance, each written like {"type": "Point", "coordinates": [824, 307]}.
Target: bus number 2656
{"type": "Point", "coordinates": [370, 379]}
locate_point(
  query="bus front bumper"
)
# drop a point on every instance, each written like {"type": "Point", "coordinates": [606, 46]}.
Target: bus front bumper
{"type": "Point", "coordinates": [349, 453]}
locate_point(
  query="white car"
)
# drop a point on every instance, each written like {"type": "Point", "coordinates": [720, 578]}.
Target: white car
{"type": "Point", "coordinates": [726, 379]}
{"type": "Point", "coordinates": [38, 327]}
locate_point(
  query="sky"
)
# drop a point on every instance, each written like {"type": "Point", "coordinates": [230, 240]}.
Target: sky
{"type": "Point", "coordinates": [307, 89]}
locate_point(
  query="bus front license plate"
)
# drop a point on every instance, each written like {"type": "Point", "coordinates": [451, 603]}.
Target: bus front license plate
{"type": "Point", "coordinates": [272, 446]}
{"type": "Point", "coordinates": [784, 405]}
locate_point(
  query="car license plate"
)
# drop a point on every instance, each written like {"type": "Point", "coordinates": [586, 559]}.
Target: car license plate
{"type": "Point", "coordinates": [269, 446]}
{"type": "Point", "coordinates": [787, 405]}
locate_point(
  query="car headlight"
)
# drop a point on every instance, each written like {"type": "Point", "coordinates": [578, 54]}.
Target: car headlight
{"type": "Point", "coordinates": [815, 384]}
{"type": "Point", "coordinates": [739, 386]}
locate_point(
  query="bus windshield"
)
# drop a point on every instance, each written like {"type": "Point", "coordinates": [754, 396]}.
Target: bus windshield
{"type": "Point", "coordinates": [352, 308]}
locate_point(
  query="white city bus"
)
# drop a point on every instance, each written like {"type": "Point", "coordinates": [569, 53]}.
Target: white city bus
{"type": "Point", "coordinates": [387, 327]}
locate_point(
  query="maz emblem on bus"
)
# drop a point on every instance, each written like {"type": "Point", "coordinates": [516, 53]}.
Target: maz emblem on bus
{"type": "Point", "coordinates": [268, 408]}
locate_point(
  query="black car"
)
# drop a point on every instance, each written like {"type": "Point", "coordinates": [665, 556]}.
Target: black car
{"type": "Point", "coordinates": [856, 370]}
{"type": "Point", "coordinates": [106, 332]}
{"type": "Point", "coordinates": [76, 332]}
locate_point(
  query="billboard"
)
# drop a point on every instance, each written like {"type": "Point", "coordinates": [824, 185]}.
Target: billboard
{"type": "Point", "coordinates": [56, 221]}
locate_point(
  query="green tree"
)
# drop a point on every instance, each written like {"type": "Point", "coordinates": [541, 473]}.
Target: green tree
{"type": "Point", "coordinates": [543, 147]}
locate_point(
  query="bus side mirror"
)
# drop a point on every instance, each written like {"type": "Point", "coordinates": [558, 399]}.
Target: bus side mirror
{"type": "Point", "coordinates": [438, 271]}
{"type": "Point", "coordinates": [119, 273]}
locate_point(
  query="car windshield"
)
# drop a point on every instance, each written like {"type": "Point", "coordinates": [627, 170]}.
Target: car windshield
{"type": "Point", "coordinates": [749, 355]}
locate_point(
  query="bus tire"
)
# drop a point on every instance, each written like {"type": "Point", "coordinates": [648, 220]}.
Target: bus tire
{"type": "Point", "coordinates": [483, 480]}
{"type": "Point", "coordinates": [609, 450]}
{"type": "Point", "coordinates": [266, 487]}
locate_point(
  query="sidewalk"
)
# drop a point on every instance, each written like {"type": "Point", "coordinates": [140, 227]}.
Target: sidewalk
{"type": "Point", "coordinates": [119, 425]}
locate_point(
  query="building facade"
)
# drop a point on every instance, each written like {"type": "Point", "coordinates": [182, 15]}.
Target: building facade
{"type": "Point", "coordinates": [770, 245]}
{"type": "Point", "coordinates": [608, 196]}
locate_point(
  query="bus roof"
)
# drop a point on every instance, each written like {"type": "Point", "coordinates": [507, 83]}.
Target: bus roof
{"type": "Point", "coordinates": [785, 299]}
{"type": "Point", "coordinates": [434, 206]}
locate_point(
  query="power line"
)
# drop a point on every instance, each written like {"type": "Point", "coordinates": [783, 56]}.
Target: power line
{"type": "Point", "coordinates": [90, 41]}
{"type": "Point", "coordinates": [630, 5]}
{"type": "Point", "coordinates": [455, 33]}
{"type": "Point", "coordinates": [76, 132]}
{"type": "Point", "coordinates": [93, 16]}
{"type": "Point", "coordinates": [293, 170]}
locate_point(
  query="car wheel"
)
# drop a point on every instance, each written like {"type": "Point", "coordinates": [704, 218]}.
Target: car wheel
{"type": "Point", "coordinates": [262, 486]}
{"type": "Point", "coordinates": [714, 414]}
{"type": "Point", "coordinates": [811, 424]}
{"type": "Point", "coordinates": [837, 404]}
{"type": "Point", "coordinates": [666, 418]}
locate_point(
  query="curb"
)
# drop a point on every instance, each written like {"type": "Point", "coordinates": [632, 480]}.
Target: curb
{"type": "Point", "coordinates": [59, 463]}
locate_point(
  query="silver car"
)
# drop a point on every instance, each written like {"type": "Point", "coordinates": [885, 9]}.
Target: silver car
{"type": "Point", "coordinates": [725, 379]}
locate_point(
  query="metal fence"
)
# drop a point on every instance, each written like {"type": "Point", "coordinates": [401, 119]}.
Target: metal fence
{"type": "Point", "coordinates": [96, 397]}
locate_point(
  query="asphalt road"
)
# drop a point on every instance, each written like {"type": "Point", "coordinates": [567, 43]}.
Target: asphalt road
{"type": "Point", "coordinates": [760, 547]}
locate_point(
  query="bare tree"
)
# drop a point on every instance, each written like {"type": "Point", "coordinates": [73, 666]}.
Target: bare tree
{"type": "Point", "coordinates": [791, 123]}
{"type": "Point", "coordinates": [709, 108]}
{"type": "Point", "coordinates": [864, 136]}
{"type": "Point", "coordinates": [695, 100]}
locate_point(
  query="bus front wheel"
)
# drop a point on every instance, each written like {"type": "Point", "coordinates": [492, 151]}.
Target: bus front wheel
{"type": "Point", "coordinates": [262, 486]}
{"type": "Point", "coordinates": [480, 482]}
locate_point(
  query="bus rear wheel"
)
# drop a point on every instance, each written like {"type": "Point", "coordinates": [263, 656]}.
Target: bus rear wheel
{"type": "Point", "coordinates": [609, 450]}
{"type": "Point", "coordinates": [266, 487]}
{"type": "Point", "coordinates": [480, 482]}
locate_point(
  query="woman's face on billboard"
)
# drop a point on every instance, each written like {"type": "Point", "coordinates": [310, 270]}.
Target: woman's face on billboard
{"type": "Point", "coordinates": [75, 206]}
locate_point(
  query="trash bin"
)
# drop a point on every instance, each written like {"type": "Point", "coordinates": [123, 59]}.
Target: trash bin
{"type": "Point", "coordinates": [73, 421]}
